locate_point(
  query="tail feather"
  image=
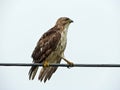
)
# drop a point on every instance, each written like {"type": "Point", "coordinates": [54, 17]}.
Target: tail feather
{"type": "Point", "coordinates": [46, 73]}
{"type": "Point", "coordinates": [51, 71]}
{"type": "Point", "coordinates": [33, 72]}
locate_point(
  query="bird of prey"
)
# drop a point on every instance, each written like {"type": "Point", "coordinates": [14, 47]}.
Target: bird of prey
{"type": "Point", "coordinates": [50, 49]}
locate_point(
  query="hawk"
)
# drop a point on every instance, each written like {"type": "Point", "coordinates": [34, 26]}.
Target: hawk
{"type": "Point", "coordinates": [50, 49]}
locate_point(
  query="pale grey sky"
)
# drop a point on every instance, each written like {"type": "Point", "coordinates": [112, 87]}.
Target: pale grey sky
{"type": "Point", "coordinates": [92, 38]}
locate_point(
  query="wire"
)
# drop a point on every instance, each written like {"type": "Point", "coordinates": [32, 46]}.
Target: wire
{"type": "Point", "coordinates": [60, 65]}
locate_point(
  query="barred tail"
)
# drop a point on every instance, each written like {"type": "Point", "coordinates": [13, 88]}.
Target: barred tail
{"type": "Point", "coordinates": [32, 72]}
{"type": "Point", "coordinates": [46, 73]}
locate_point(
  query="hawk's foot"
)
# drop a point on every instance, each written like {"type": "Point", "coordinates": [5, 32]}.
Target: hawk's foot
{"type": "Point", "coordinates": [46, 64]}
{"type": "Point", "coordinates": [70, 64]}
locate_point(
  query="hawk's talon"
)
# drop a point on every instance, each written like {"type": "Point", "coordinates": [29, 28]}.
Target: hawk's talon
{"type": "Point", "coordinates": [46, 64]}
{"type": "Point", "coordinates": [70, 64]}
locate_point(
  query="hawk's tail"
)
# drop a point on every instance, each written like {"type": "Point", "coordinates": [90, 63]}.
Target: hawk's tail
{"type": "Point", "coordinates": [32, 72]}
{"type": "Point", "coordinates": [46, 73]}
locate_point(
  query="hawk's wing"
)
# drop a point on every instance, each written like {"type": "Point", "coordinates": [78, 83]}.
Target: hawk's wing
{"type": "Point", "coordinates": [44, 48]}
{"type": "Point", "coordinates": [46, 45]}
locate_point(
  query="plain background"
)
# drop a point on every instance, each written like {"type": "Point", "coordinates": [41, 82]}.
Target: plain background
{"type": "Point", "coordinates": [93, 38]}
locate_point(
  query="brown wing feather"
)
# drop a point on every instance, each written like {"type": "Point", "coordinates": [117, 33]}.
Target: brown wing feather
{"type": "Point", "coordinates": [45, 46]}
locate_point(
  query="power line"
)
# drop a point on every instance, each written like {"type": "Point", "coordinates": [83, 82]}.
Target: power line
{"type": "Point", "coordinates": [60, 65]}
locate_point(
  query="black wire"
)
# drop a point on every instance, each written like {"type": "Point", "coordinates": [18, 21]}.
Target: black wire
{"type": "Point", "coordinates": [60, 65]}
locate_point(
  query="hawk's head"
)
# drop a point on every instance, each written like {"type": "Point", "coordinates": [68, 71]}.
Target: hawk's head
{"type": "Point", "coordinates": [64, 21]}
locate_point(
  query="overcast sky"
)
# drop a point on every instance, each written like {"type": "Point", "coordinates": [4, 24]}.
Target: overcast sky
{"type": "Point", "coordinates": [94, 37]}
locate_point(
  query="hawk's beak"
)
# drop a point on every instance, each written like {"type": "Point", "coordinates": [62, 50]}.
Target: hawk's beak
{"type": "Point", "coordinates": [71, 21]}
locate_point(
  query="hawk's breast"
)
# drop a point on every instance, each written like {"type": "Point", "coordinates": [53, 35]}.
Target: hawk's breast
{"type": "Point", "coordinates": [54, 57]}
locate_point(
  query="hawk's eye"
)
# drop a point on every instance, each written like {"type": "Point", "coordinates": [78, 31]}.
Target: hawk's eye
{"type": "Point", "coordinates": [66, 19]}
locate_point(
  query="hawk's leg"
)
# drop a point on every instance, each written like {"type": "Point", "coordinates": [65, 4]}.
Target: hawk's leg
{"type": "Point", "coordinates": [45, 64]}
{"type": "Point", "coordinates": [71, 64]}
